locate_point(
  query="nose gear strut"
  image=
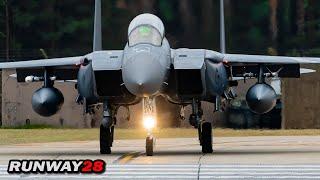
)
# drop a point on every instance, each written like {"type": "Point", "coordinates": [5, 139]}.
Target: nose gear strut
{"type": "Point", "coordinates": [149, 110]}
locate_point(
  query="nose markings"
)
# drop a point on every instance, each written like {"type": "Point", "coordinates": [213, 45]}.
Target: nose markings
{"type": "Point", "coordinates": [141, 49]}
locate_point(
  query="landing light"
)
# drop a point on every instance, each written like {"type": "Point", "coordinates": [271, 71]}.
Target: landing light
{"type": "Point", "coordinates": [149, 122]}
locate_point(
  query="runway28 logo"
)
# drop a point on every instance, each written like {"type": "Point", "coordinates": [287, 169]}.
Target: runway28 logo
{"type": "Point", "coordinates": [56, 166]}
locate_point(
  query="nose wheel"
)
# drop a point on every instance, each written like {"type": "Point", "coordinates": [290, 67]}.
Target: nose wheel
{"type": "Point", "coordinates": [150, 141]}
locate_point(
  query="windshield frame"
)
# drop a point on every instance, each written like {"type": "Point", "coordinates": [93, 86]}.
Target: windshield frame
{"type": "Point", "coordinates": [162, 37]}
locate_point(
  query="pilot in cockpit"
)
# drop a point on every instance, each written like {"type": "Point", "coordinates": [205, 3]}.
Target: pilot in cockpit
{"type": "Point", "coordinates": [146, 29]}
{"type": "Point", "coordinates": [145, 34]}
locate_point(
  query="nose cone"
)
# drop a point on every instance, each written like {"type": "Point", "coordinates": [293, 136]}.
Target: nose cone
{"type": "Point", "coordinates": [142, 75]}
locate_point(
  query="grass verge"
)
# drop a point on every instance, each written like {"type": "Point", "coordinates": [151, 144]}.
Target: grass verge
{"type": "Point", "coordinates": [18, 136]}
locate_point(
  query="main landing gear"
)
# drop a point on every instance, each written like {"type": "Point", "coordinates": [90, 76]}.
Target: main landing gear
{"type": "Point", "coordinates": [149, 122]}
{"type": "Point", "coordinates": [109, 120]}
{"type": "Point", "coordinates": [206, 137]}
{"type": "Point", "coordinates": [204, 128]}
{"type": "Point", "coordinates": [107, 129]}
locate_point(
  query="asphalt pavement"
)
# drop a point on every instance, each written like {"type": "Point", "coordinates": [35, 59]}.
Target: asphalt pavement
{"type": "Point", "coordinates": [181, 158]}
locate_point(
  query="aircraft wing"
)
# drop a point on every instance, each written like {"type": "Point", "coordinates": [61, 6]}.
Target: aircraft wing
{"type": "Point", "coordinates": [65, 69]}
{"type": "Point", "coordinates": [68, 61]}
{"type": "Point", "coordinates": [216, 68]}
{"type": "Point", "coordinates": [242, 59]}
{"type": "Point", "coordinates": [242, 65]}
{"type": "Point", "coordinates": [260, 59]}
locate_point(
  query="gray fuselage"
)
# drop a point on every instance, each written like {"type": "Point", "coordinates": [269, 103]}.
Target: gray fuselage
{"type": "Point", "coordinates": [145, 68]}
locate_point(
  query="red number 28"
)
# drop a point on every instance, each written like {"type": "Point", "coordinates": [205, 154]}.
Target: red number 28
{"type": "Point", "coordinates": [96, 166]}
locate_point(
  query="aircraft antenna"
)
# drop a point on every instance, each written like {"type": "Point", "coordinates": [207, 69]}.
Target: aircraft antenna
{"type": "Point", "coordinates": [97, 32]}
{"type": "Point", "coordinates": [223, 36]}
{"type": "Point", "coordinates": [222, 29]}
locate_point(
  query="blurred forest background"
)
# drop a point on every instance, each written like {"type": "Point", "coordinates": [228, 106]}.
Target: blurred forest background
{"type": "Point", "coordinates": [64, 28]}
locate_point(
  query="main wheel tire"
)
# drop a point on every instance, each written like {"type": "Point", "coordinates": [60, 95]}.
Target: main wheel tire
{"type": "Point", "coordinates": [149, 146]}
{"type": "Point", "coordinates": [105, 140]}
{"type": "Point", "coordinates": [200, 136]}
{"type": "Point", "coordinates": [112, 135]}
{"type": "Point", "coordinates": [206, 137]}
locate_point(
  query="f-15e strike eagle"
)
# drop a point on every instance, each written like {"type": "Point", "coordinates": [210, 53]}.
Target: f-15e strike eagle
{"type": "Point", "coordinates": [146, 68]}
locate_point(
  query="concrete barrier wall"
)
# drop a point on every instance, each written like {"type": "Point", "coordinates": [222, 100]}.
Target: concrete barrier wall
{"type": "Point", "coordinates": [16, 105]}
{"type": "Point", "coordinates": [301, 101]}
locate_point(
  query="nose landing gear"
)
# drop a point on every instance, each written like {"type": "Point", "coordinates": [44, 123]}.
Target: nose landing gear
{"type": "Point", "coordinates": [149, 122]}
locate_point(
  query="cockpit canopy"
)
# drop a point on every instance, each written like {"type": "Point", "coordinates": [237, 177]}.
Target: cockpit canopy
{"type": "Point", "coordinates": [145, 34]}
{"type": "Point", "coordinates": [146, 28]}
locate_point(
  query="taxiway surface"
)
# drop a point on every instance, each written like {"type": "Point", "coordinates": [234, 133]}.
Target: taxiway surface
{"type": "Point", "coordinates": [227, 150]}
{"type": "Point", "coordinates": [234, 157]}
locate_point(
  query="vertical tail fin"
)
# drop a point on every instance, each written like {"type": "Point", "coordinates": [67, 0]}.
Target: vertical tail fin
{"type": "Point", "coordinates": [97, 34]}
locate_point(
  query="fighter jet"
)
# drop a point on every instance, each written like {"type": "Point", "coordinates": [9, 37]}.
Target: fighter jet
{"type": "Point", "coordinates": [146, 68]}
